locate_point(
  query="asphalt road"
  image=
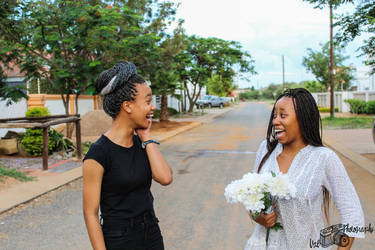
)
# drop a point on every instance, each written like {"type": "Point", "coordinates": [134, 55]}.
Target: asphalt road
{"type": "Point", "coordinates": [192, 210]}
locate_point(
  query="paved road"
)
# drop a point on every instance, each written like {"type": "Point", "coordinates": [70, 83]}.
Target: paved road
{"type": "Point", "coordinates": [192, 211]}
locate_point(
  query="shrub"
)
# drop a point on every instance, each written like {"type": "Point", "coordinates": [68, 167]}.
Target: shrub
{"type": "Point", "coordinates": [37, 112]}
{"type": "Point", "coordinates": [32, 142]}
{"type": "Point", "coordinates": [356, 106]}
{"type": "Point", "coordinates": [326, 110]}
{"type": "Point", "coordinates": [250, 95]}
{"type": "Point", "coordinates": [171, 111]}
{"type": "Point", "coordinates": [370, 107]}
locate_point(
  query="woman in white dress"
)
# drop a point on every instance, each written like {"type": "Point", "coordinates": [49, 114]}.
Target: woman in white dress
{"type": "Point", "coordinates": [294, 146]}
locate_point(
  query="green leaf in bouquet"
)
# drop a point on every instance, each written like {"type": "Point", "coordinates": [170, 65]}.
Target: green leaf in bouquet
{"type": "Point", "coordinates": [273, 174]}
{"type": "Point", "coordinates": [277, 226]}
{"type": "Point", "coordinates": [255, 215]}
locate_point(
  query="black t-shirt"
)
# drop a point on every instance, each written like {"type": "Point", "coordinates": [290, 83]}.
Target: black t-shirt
{"type": "Point", "coordinates": [127, 178]}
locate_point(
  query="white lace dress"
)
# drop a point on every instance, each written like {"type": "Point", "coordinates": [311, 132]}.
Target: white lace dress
{"type": "Point", "coordinates": [302, 218]}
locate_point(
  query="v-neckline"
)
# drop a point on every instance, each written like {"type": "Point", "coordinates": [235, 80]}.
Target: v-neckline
{"type": "Point", "coordinates": [279, 150]}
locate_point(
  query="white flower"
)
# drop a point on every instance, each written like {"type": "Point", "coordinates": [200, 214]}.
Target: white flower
{"type": "Point", "coordinates": [253, 202]}
{"type": "Point", "coordinates": [252, 187]}
{"type": "Point", "coordinates": [282, 187]}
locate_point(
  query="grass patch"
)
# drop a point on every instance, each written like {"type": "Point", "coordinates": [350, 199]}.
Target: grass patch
{"type": "Point", "coordinates": [347, 123]}
{"type": "Point", "coordinates": [4, 172]}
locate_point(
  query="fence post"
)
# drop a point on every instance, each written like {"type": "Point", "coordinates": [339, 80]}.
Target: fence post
{"type": "Point", "coordinates": [78, 139]}
{"type": "Point", "coordinates": [45, 148]}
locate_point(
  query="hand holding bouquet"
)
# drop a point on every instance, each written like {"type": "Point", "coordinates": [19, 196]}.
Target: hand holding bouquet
{"type": "Point", "coordinates": [259, 192]}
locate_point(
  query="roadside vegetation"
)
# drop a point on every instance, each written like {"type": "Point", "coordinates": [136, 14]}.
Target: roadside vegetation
{"type": "Point", "coordinates": [347, 122]}
{"type": "Point", "coordinates": [4, 172]}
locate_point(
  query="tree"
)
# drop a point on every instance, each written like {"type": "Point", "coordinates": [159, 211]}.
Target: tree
{"type": "Point", "coordinates": [353, 25]}
{"type": "Point", "coordinates": [202, 58]}
{"type": "Point", "coordinates": [313, 86]}
{"type": "Point", "coordinates": [317, 62]}
{"type": "Point", "coordinates": [164, 75]}
{"type": "Point", "coordinates": [71, 42]}
{"type": "Point", "coordinates": [332, 4]}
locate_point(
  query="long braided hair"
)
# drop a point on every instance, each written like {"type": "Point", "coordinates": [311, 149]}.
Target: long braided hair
{"type": "Point", "coordinates": [118, 84]}
{"type": "Point", "coordinates": [310, 124]}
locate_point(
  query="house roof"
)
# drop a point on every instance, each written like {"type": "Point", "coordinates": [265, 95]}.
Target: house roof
{"type": "Point", "coordinates": [12, 71]}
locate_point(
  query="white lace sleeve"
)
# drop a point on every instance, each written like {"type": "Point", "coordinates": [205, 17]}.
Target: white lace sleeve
{"type": "Point", "coordinates": [344, 195]}
{"type": "Point", "coordinates": [262, 150]}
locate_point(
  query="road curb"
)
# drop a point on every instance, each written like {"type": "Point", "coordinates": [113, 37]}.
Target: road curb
{"type": "Point", "coordinates": [29, 191]}
{"type": "Point", "coordinates": [355, 157]}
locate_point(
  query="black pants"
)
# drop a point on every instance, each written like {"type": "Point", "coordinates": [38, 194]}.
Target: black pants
{"type": "Point", "coordinates": [141, 232]}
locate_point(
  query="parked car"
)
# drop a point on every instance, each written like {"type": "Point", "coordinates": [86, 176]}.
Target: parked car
{"type": "Point", "coordinates": [203, 102]}
{"type": "Point", "coordinates": [211, 101]}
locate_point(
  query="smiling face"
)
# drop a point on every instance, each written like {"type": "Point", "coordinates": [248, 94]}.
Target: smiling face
{"type": "Point", "coordinates": [142, 108]}
{"type": "Point", "coordinates": [285, 122]}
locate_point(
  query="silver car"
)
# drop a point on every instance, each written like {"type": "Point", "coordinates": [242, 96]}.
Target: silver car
{"type": "Point", "coordinates": [211, 101]}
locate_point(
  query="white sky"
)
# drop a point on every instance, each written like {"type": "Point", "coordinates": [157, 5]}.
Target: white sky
{"type": "Point", "coordinates": [267, 29]}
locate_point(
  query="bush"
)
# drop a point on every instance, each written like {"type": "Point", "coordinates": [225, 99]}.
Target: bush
{"type": "Point", "coordinates": [370, 107]}
{"type": "Point", "coordinates": [171, 111]}
{"type": "Point", "coordinates": [32, 142]}
{"type": "Point", "coordinates": [37, 112]}
{"type": "Point", "coordinates": [356, 106]}
{"type": "Point", "coordinates": [326, 110]}
{"type": "Point", "coordinates": [250, 95]}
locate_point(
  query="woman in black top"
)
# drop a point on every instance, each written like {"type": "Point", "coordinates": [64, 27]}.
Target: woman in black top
{"type": "Point", "coordinates": [119, 167]}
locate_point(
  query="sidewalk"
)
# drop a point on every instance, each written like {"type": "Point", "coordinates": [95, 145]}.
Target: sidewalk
{"type": "Point", "coordinates": [66, 171]}
{"type": "Point", "coordinates": [355, 144]}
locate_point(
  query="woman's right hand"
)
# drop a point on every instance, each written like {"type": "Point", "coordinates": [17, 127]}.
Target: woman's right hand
{"type": "Point", "coordinates": [266, 220]}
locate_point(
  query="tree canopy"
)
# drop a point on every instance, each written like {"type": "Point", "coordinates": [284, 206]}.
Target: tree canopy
{"type": "Point", "coordinates": [317, 62]}
{"type": "Point", "coordinates": [207, 59]}
{"type": "Point", "coordinates": [357, 23]}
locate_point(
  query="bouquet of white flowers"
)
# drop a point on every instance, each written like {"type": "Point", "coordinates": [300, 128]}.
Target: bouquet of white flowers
{"type": "Point", "coordinates": [259, 192]}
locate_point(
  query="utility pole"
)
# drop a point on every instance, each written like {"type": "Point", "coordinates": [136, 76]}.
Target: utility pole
{"type": "Point", "coordinates": [332, 107]}
{"type": "Point", "coordinates": [282, 57]}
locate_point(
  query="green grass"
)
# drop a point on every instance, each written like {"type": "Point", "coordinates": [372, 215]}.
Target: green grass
{"type": "Point", "coordinates": [347, 123]}
{"type": "Point", "coordinates": [4, 172]}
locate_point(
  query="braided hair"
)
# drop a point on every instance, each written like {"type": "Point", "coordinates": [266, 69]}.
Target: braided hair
{"type": "Point", "coordinates": [118, 84]}
{"type": "Point", "coordinates": [310, 124]}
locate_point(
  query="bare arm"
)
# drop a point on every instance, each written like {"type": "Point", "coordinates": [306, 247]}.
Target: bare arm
{"type": "Point", "coordinates": [161, 171]}
{"type": "Point", "coordinates": [92, 180]}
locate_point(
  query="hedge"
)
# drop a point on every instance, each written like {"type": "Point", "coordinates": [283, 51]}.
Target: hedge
{"type": "Point", "coordinates": [361, 107]}
{"type": "Point", "coordinates": [326, 110]}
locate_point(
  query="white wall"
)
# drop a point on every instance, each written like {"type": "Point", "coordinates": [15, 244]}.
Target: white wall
{"type": "Point", "coordinates": [323, 99]}
{"type": "Point", "coordinates": [15, 110]}
{"type": "Point", "coordinates": [56, 107]}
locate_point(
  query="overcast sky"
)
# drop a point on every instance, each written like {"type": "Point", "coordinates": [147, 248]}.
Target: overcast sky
{"type": "Point", "coordinates": [267, 29]}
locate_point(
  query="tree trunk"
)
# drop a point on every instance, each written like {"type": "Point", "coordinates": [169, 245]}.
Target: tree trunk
{"type": "Point", "coordinates": [76, 103]}
{"type": "Point", "coordinates": [164, 108]}
{"type": "Point", "coordinates": [332, 107]}
{"type": "Point", "coordinates": [69, 126]}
